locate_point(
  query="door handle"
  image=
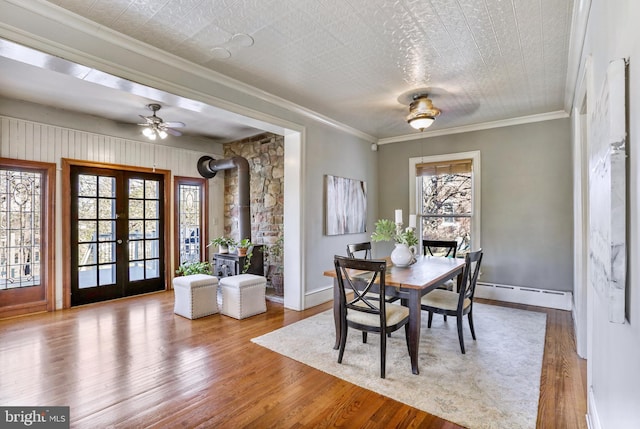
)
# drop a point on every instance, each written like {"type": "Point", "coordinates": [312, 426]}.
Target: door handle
{"type": "Point", "coordinates": [119, 241]}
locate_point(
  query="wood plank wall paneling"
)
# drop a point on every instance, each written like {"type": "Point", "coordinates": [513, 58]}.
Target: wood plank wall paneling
{"type": "Point", "coordinates": [27, 140]}
{"type": "Point", "coordinates": [33, 141]}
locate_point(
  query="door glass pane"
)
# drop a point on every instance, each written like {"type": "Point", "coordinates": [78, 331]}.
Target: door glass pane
{"type": "Point", "coordinates": [151, 229]}
{"type": "Point", "coordinates": [151, 189]}
{"type": "Point", "coordinates": [107, 208]}
{"type": "Point", "coordinates": [135, 229]}
{"type": "Point", "coordinates": [136, 209]}
{"type": "Point", "coordinates": [152, 269]}
{"type": "Point", "coordinates": [87, 185]}
{"type": "Point", "coordinates": [136, 188]}
{"type": "Point", "coordinates": [136, 250]}
{"type": "Point", "coordinates": [107, 186]}
{"type": "Point", "coordinates": [152, 249]}
{"type": "Point", "coordinates": [151, 209]}
{"type": "Point", "coordinates": [136, 270]}
{"type": "Point", "coordinates": [107, 229]}
{"type": "Point", "coordinates": [107, 274]}
{"type": "Point", "coordinates": [107, 252]}
{"type": "Point", "coordinates": [87, 208]}
{"type": "Point", "coordinates": [87, 277]}
{"type": "Point", "coordinates": [87, 254]}
{"type": "Point", "coordinates": [87, 230]}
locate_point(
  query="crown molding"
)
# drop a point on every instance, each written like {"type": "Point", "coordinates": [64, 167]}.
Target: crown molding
{"type": "Point", "coordinates": [477, 127]}
{"type": "Point", "coordinates": [64, 17]}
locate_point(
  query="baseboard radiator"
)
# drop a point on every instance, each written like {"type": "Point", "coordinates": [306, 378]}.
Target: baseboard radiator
{"type": "Point", "coordinates": [525, 295]}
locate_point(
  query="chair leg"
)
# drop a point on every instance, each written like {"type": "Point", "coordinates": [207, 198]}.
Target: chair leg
{"type": "Point", "coordinates": [460, 338]}
{"type": "Point", "coordinates": [364, 337]}
{"type": "Point", "coordinates": [430, 319]}
{"type": "Point", "coordinates": [343, 340]}
{"type": "Point", "coordinates": [383, 354]}
{"type": "Point", "coordinates": [473, 332]}
{"type": "Point", "coordinates": [445, 317]}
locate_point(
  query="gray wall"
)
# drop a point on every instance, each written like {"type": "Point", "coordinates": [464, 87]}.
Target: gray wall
{"type": "Point", "coordinates": [526, 198]}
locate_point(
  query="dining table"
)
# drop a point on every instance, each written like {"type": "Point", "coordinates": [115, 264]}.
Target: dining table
{"type": "Point", "coordinates": [409, 284]}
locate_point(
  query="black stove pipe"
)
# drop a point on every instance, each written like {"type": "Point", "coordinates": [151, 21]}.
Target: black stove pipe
{"type": "Point", "coordinates": [208, 167]}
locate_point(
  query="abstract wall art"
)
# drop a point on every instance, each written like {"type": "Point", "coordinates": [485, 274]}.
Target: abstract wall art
{"type": "Point", "coordinates": [346, 205]}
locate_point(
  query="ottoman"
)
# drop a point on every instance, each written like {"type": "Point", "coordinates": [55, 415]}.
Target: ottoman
{"type": "Point", "coordinates": [195, 295]}
{"type": "Point", "coordinates": [243, 295]}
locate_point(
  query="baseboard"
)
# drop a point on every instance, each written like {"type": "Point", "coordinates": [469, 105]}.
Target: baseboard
{"type": "Point", "coordinates": [525, 295]}
{"type": "Point", "coordinates": [593, 422]}
{"type": "Point", "coordinates": [318, 296]}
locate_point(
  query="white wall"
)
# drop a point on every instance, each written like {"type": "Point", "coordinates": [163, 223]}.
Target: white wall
{"type": "Point", "coordinates": [613, 350]}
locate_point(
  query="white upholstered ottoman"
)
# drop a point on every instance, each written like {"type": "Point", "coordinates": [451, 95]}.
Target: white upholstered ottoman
{"type": "Point", "coordinates": [243, 295]}
{"type": "Point", "coordinates": [195, 295]}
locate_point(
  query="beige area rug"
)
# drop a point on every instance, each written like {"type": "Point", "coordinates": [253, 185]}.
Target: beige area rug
{"type": "Point", "coordinates": [496, 384]}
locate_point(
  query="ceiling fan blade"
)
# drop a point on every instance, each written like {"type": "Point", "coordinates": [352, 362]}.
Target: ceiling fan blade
{"type": "Point", "coordinates": [173, 132]}
{"type": "Point", "coordinates": [175, 124]}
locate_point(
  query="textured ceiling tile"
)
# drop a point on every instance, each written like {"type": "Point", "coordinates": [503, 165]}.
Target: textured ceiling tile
{"type": "Point", "coordinates": [483, 60]}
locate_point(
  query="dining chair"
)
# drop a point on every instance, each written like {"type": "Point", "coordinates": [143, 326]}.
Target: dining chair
{"type": "Point", "coordinates": [446, 248]}
{"type": "Point", "coordinates": [362, 310]}
{"type": "Point", "coordinates": [353, 249]}
{"type": "Point", "coordinates": [458, 304]}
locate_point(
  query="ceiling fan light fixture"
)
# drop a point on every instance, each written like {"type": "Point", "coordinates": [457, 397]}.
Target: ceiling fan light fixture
{"type": "Point", "coordinates": [162, 134]}
{"type": "Point", "coordinates": [422, 114]}
{"type": "Point", "coordinates": [148, 132]}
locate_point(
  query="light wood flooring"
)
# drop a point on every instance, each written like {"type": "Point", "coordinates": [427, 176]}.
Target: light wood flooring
{"type": "Point", "coordinates": [132, 363]}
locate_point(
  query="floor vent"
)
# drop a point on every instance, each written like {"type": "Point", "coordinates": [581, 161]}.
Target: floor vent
{"type": "Point", "coordinates": [526, 295]}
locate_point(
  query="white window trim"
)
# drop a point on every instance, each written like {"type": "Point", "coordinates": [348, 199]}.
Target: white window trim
{"type": "Point", "coordinates": [475, 186]}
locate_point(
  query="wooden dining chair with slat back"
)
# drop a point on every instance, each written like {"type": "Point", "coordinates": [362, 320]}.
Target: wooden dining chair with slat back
{"type": "Point", "coordinates": [353, 250]}
{"type": "Point", "coordinates": [458, 304]}
{"type": "Point", "coordinates": [446, 248]}
{"type": "Point", "coordinates": [360, 309]}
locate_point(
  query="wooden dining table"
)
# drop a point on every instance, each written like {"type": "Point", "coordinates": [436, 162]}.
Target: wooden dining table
{"type": "Point", "coordinates": [408, 284]}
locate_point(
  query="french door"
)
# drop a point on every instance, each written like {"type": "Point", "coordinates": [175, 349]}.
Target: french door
{"type": "Point", "coordinates": [117, 240]}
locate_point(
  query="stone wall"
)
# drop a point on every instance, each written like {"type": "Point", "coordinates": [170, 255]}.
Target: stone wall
{"type": "Point", "coordinates": [265, 153]}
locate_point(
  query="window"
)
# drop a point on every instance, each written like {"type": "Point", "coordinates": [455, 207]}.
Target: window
{"type": "Point", "coordinates": [27, 189]}
{"type": "Point", "coordinates": [447, 198]}
{"type": "Point", "coordinates": [190, 230]}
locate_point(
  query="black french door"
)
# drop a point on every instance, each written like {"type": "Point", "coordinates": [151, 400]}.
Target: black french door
{"type": "Point", "coordinates": [117, 240]}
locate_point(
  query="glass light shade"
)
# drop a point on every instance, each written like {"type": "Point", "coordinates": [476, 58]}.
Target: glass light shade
{"type": "Point", "coordinates": [421, 123]}
{"type": "Point", "coordinates": [148, 132]}
{"type": "Point", "coordinates": [162, 134]}
{"type": "Point", "coordinates": [152, 136]}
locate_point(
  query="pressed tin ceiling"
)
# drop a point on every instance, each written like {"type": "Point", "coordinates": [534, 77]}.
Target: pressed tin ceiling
{"type": "Point", "coordinates": [351, 60]}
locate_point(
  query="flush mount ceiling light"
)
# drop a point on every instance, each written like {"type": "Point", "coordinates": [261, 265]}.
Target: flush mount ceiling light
{"type": "Point", "coordinates": [422, 114]}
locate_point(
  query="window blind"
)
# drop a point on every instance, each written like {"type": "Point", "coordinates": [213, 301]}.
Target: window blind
{"type": "Point", "coordinates": [460, 166]}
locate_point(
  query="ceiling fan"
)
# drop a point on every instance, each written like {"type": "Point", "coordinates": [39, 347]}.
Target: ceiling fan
{"type": "Point", "coordinates": [156, 127]}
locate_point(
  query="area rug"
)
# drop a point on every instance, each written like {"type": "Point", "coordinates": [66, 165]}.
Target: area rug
{"type": "Point", "coordinates": [496, 384]}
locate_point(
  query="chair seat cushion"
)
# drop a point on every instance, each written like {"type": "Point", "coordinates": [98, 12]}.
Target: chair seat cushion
{"type": "Point", "coordinates": [395, 315]}
{"type": "Point", "coordinates": [444, 299]}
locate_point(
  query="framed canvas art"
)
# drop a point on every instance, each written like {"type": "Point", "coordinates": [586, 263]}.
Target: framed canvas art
{"type": "Point", "coordinates": [345, 205]}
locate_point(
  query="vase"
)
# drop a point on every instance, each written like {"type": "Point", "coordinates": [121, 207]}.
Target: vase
{"type": "Point", "coordinates": [223, 249]}
{"type": "Point", "coordinates": [403, 255]}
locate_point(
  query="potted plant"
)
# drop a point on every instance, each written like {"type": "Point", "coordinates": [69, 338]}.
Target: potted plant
{"type": "Point", "coordinates": [405, 240]}
{"type": "Point", "coordinates": [274, 253]}
{"type": "Point", "coordinates": [223, 243]}
{"type": "Point", "coordinates": [189, 268]}
{"type": "Point", "coordinates": [242, 246]}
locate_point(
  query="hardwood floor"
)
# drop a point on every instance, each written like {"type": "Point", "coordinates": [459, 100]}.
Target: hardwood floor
{"type": "Point", "coordinates": [132, 363]}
